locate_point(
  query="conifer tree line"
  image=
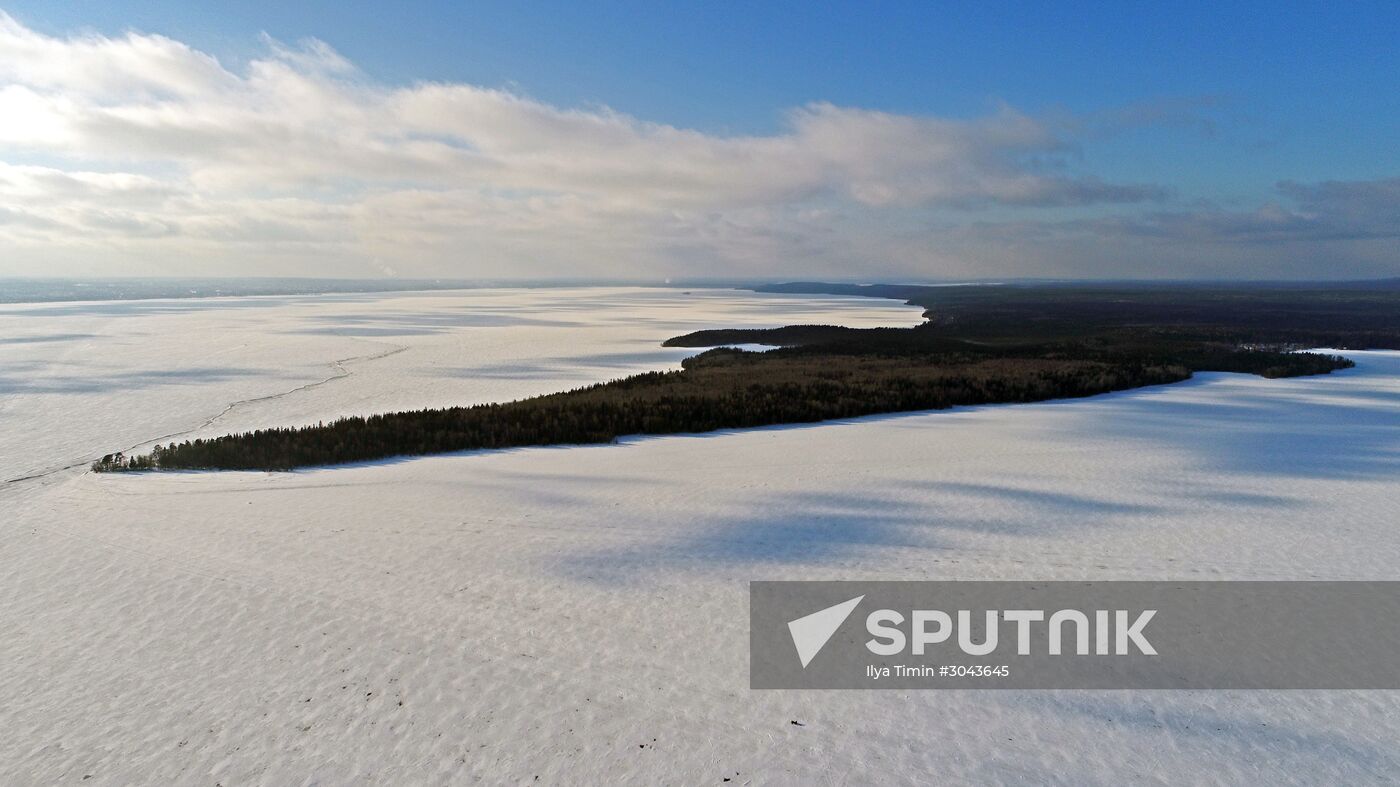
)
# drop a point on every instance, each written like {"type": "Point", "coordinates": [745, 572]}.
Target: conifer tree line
{"type": "Point", "coordinates": [730, 389]}
{"type": "Point", "coordinates": [978, 345]}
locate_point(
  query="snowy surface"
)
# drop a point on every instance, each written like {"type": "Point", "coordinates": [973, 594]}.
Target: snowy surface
{"type": "Point", "coordinates": [580, 614]}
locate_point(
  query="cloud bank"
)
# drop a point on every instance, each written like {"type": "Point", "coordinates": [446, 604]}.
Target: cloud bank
{"type": "Point", "coordinates": [139, 154]}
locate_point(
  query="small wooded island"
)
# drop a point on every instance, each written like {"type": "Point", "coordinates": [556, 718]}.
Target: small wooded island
{"type": "Point", "coordinates": [979, 345]}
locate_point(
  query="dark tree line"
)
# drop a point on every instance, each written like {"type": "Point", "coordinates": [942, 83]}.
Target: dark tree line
{"type": "Point", "coordinates": [720, 389]}
{"type": "Point", "coordinates": [979, 345]}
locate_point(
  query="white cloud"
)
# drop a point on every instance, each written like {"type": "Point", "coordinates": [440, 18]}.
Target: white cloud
{"type": "Point", "coordinates": [102, 68]}
{"type": "Point", "coordinates": [159, 159]}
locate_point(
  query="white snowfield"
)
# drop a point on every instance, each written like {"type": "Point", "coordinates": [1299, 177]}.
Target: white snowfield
{"type": "Point", "coordinates": [578, 615]}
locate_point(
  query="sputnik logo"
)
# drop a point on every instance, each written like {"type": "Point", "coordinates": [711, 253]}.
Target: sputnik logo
{"type": "Point", "coordinates": [811, 633]}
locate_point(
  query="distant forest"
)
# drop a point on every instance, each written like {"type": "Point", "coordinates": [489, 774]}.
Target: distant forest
{"type": "Point", "coordinates": [979, 345]}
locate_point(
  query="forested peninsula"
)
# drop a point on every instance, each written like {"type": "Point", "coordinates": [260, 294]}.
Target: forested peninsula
{"type": "Point", "coordinates": [978, 345]}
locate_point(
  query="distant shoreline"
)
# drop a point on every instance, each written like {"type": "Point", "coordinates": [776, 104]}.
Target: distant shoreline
{"type": "Point", "coordinates": [977, 345]}
{"type": "Point", "coordinates": [15, 291]}
{"type": "Point", "coordinates": [22, 290]}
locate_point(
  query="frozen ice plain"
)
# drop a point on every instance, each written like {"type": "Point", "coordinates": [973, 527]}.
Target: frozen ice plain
{"type": "Point", "coordinates": [579, 614]}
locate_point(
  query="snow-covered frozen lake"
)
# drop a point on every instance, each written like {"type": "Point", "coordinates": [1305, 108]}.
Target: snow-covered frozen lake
{"type": "Point", "coordinates": [580, 614]}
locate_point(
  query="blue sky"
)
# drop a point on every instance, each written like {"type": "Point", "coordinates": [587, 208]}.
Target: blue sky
{"type": "Point", "coordinates": [1283, 78]}
{"type": "Point", "coordinates": [1212, 103]}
